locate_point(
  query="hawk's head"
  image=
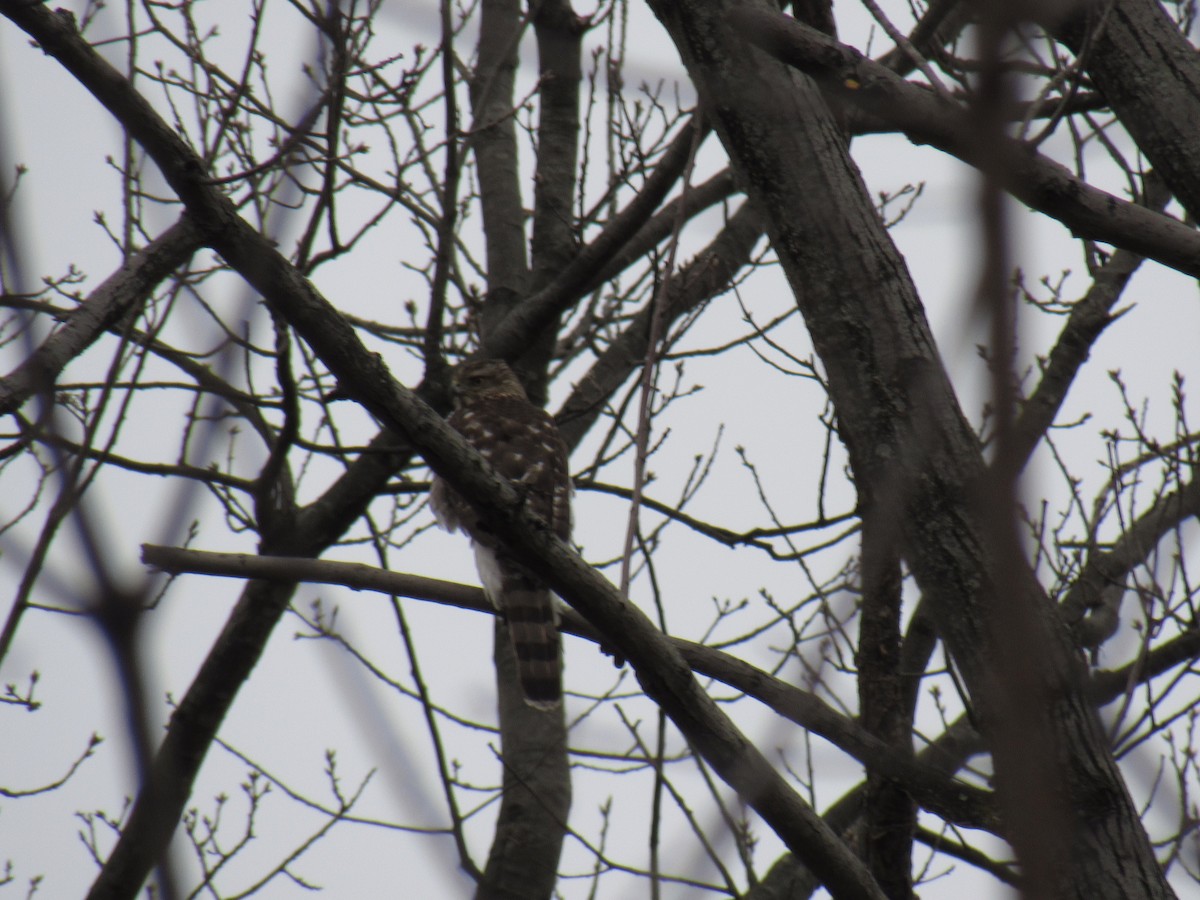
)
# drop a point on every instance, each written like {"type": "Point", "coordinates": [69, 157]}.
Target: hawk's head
{"type": "Point", "coordinates": [485, 379]}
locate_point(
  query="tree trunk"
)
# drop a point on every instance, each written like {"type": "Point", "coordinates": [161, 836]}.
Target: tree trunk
{"type": "Point", "coordinates": [536, 796]}
{"type": "Point", "coordinates": [1146, 69]}
{"type": "Point", "coordinates": [908, 441]}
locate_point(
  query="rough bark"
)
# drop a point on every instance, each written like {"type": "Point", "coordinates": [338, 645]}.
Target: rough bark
{"type": "Point", "coordinates": [364, 377]}
{"type": "Point", "coordinates": [908, 440]}
{"type": "Point", "coordinates": [955, 564]}
{"type": "Point", "coordinates": [1149, 73]}
{"type": "Point", "coordinates": [932, 118]}
{"type": "Point", "coordinates": [889, 813]}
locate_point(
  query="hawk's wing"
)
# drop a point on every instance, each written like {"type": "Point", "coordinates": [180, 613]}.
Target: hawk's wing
{"type": "Point", "coordinates": [521, 442]}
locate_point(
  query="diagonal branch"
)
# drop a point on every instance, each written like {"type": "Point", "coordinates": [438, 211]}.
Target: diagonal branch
{"type": "Point", "coordinates": [661, 669]}
{"type": "Point", "coordinates": [1092, 604]}
{"type": "Point", "coordinates": [905, 433]}
{"type": "Point", "coordinates": [930, 118]}
{"type": "Point", "coordinates": [1089, 317]}
{"type": "Point", "coordinates": [121, 292]}
{"type": "Point", "coordinates": [702, 278]}
{"type": "Point", "coordinates": [1146, 68]}
{"type": "Point", "coordinates": [535, 311]}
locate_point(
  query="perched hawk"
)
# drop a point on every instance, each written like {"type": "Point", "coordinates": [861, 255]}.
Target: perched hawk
{"type": "Point", "coordinates": [521, 442]}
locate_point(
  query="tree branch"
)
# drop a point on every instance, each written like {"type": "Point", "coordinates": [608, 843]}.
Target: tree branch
{"type": "Point", "coordinates": [535, 311]}
{"type": "Point", "coordinates": [953, 801]}
{"type": "Point", "coordinates": [1089, 317]}
{"type": "Point", "coordinates": [1092, 604]}
{"type": "Point", "coordinates": [930, 118]}
{"type": "Point", "coordinates": [908, 440]}
{"type": "Point", "coordinates": [702, 278]}
{"type": "Point", "coordinates": [660, 668]}
{"type": "Point", "coordinates": [1147, 70]}
{"type": "Point", "coordinates": [121, 292]}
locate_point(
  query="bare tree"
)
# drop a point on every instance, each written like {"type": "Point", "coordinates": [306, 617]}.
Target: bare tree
{"type": "Point", "coordinates": [933, 607]}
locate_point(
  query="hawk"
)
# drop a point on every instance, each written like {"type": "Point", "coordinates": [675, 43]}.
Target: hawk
{"type": "Point", "coordinates": [522, 443]}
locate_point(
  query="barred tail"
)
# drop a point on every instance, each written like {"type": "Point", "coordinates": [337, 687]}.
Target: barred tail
{"type": "Point", "coordinates": [532, 623]}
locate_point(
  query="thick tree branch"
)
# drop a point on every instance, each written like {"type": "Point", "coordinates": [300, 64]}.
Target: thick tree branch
{"type": "Point", "coordinates": [559, 34]}
{"type": "Point", "coordinates": [493, 142]}
{"type": "Point", "coordinates": [908, 441]}
{"type": "Point", "coordinates": [941, 23]}
{"type": "Point", "coordinates": [705, 276]}
{"type": "Point", "coordinates": [1148, 71]}
{"type": "Point", "coordinates": [535, 798]}
{"type": "Point", "coordinates": [658, 228]}
{"type": "Point", "coordinates": [890, 813]}
{"type": "Point", "coordinates": [1111, 685]}
{"type": "Point", "coordinates": [929, 118]}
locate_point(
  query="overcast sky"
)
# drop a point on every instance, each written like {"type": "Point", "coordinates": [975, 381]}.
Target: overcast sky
{"type": "Point", "coordinates": [306, 697]}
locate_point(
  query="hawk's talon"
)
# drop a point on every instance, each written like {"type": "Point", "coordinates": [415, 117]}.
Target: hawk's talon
{"type": "Point", "coordinates": [618, 660]}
